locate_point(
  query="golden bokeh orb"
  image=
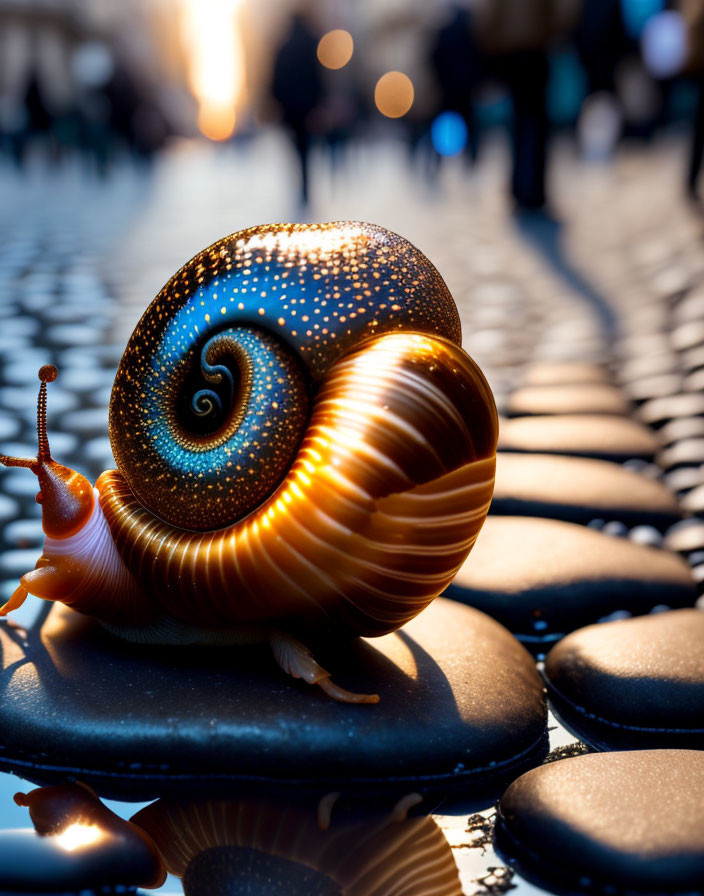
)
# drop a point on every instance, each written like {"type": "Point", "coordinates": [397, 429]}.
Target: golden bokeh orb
{"type": "Point", "coordinates": [394, 94]}
{"type": "Point", "coordinates": [335, 48]}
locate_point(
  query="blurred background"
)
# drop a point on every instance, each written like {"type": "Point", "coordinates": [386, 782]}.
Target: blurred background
{"type": "Point", "coordinates": [516, 142]}
{"type": "Point", "coordinates": [102, 85]}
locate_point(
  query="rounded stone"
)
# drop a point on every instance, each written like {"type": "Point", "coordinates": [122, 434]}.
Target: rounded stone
{"type": "Point", "coordinates": [693, 501]}
{"type": "Point", "coordinates": [685, 536]}
{"type": "Point", "coordinates": [462, 708]}
{"type": "Point", "coordinates": [693, 358]}
{"type": "Point", "coordinates": [542, 578]}
{"type": "Point", "coordinates": [659, 410]}
{"type": "Point", "coordinates": [9, 428]}
{"type": "Point", "coordinates": [633, 683]}
{"type": "Point", "coordinates": [682, 428]}
{"type": "Point", "coordinates": [694, 382]}
{"type": "Point", "coordinates": [585, 435]}
{"type": "Point", "coordinates": [9, 508]}
{"type": "Point", "coordinates": [549, 373]}
{"type": "Point", "coordinates": [646, 366]}
{"type": "Point", "coordinates": [684, 478]}
{"type": "Point", "coordinates": [644, 345]}
{"type": "Point", "coordinates": [87, 422]}
{"type": "Point", "coordinates": [685, 453]}
{"type": "Point", "coordinates": [690, 308]}
{"type": "Point", "coordinates": [570, 398]}
{"type": "Point", "coordinates": [688, 335]}
{"type": "Point", "coordinates": [578, 490]}
{"type": "Point", "coordinates": [24, 533]}
{"type": "Point", "coordinates": [659, 386]}
{"type": "Point", "coordinates": [607, 823]}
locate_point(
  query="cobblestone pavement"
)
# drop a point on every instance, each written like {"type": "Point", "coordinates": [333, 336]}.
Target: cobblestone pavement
{"type": "Point", "coordinates": [80, 260]}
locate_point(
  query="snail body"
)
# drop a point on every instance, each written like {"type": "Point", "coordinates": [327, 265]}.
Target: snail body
{"type": "Point", "coordinates": [301, 442]}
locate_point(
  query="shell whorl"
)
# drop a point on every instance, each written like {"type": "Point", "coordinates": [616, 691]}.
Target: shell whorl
{"type": "Point", "coordinates": [386, 496]}
{"type": "Point", "coordinates": [376, 498]}
{"type": "Point", "coordinates": [213, 391]}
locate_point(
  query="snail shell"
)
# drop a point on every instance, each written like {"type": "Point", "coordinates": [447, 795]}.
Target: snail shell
{"type": "Point", "coordinates": [301, 444]}
{"type": "Point", "coordinates": [298, 434]}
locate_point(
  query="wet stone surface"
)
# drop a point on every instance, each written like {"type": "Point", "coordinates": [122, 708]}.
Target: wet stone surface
{"type": "Point", "coordinates": [586, 435]}
{"type": "Point", "coordinates": [633, 683]}
{"type": "Point", "coordinates": [556, 373]}
{"type": "Point", "coordinates": [686, 537]}
{"type": "Point", "coordinates": [682, 428]}
{"type": "Point", "coordinates": [591, 398]}
{"type": "Point", "coordinates": [578, 490]}
{"type": "Point", "coordinates": [608, 823]}
{"type": "Point", "coordinates": [687, 452]}
{"type": "Point", "coordinates": [542, 578]}
{"type": "Point", "coordinates": [461, 708]}
{"type": "Point", "coordinates": [658, 411]}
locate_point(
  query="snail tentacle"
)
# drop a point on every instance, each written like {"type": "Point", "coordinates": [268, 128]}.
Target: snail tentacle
{"type": "Point", "coordinates": [17, 598]}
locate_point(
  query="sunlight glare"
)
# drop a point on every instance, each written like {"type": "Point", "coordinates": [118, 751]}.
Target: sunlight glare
{"type": "Point", "coordinates": [213, 43]}
{"type": "Point", "coordinates": [77, 835]}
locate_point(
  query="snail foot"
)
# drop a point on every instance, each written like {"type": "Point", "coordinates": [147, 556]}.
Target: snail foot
{"type": "Point", "coordinates": [297, 660]}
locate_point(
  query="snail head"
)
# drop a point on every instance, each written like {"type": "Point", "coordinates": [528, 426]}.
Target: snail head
{"type": "Point", "coordinates": [65, 495]}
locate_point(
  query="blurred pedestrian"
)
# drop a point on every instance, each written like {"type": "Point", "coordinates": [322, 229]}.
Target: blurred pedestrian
{"type": "Point", "coordinates": [455, 59]}
{"type": "Point", "coordinates": [692, 12]}
{"type": "Point", "coordinates": [298, 89]}
{"type": "Point", "coordinates": [37, 119]}
{"type": "Point", "coordinates": [516, 36]}
{"type": "Point", "coordinates": [602, 42]}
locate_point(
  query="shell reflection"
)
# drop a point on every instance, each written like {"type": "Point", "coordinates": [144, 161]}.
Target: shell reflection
{"type": "Point", "coordinates": [256, 846]}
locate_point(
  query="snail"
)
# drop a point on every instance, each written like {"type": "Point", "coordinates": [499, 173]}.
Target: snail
{"type": "Point", "coordinates": [302, 447]}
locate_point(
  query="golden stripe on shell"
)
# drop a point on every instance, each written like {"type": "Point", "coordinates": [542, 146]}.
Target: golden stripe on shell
{"type": "Point", "coordinates": [383, 502]}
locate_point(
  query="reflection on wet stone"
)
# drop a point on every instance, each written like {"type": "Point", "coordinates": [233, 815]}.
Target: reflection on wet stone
{"type": "Point", "coordinates": [273, 847]}
{"type": "Point", "coordinates": [78, 845]}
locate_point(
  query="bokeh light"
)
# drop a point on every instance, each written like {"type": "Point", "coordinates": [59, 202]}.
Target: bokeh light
{"type": "Point", "coordinates": [335, 48]}
{"type": "Point", "coordinates": [449, 133]}
{"type": "Point", "coordinates": [636, 14]}
{"type": "Point", "coordinates": [394, 94]}
{"type": "Point", "coordinates": [215, 63]}
{"type": "Point", "coordinates": [664, 44]}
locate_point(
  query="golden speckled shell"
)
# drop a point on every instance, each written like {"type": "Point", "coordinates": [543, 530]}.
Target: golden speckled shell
{"type": "Point", "coordinates": [385, 494]}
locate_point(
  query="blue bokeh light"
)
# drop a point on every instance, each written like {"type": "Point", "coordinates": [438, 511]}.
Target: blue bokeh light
{"type": "Point", "coordinates": [637, 13]}
{"type": "Point", "coordinates": [449, 133]}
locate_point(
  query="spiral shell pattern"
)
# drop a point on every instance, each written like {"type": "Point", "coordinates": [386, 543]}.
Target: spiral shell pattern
{"type": "Point", "coordinates": [346, 462]}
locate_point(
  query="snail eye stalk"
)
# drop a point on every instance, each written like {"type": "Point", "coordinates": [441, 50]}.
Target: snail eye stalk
{"type": "Point", "coordinates": [47, 374]}
{"type": "Point", "coordinates": [66, 496]}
